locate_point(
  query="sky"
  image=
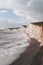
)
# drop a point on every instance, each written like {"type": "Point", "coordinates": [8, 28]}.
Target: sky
{"type": "Point", "coordinates": [19, 12]}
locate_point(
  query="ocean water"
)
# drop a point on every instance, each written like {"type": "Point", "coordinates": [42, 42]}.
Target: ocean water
{"type": "Point", "coordinates": [11, 46]}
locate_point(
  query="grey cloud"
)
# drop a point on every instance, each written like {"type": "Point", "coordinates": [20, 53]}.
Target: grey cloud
{"type": "Point", "coordinates": [37, 5]}
{"type": "Point", "coordinates": [34, 8]}
{"type": "Point", "coordinates": [21, 2]}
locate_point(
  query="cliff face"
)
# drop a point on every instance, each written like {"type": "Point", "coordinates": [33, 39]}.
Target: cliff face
{"type": "Point", "coordinates": [35, 31]}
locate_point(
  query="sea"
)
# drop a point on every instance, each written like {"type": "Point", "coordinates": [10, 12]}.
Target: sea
{"type": "Point", "coordinates": [12, 45]}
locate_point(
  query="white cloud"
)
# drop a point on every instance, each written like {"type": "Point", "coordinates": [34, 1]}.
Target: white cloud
{"type": "Point", "coordinates": [3, 11]}
{"type": "Point", "coordinates": [32, 8]}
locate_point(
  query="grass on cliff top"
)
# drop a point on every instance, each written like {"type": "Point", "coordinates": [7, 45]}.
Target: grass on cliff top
{"type": "Point", "coordinates": [38, 23]}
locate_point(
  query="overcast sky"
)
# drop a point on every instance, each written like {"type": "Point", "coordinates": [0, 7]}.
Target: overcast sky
{"type": "Point", "coordinates": [18, 12]}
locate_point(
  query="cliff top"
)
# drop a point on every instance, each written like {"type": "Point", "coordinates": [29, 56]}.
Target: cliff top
{"type": "Point", "coordinates": [38, 23]}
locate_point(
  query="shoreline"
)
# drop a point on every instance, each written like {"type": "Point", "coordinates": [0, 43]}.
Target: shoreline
{"type": "Point", "coordinates": [26, 57]}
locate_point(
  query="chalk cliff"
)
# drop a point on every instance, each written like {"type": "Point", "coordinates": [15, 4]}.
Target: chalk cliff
{"type": "Point", "coordinates": [35, 31]}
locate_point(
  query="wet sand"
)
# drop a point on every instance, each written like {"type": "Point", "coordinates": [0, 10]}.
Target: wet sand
{"type": "Point", "coordinates": [32, 56]}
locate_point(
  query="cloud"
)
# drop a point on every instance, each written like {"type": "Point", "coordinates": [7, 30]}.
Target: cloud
{"type": "Point", "coordinates": [3, 11]}
{"type": "Point", "coordinates": [32, 8]}
{"type": "Point", "coordinates": [4, 23]}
